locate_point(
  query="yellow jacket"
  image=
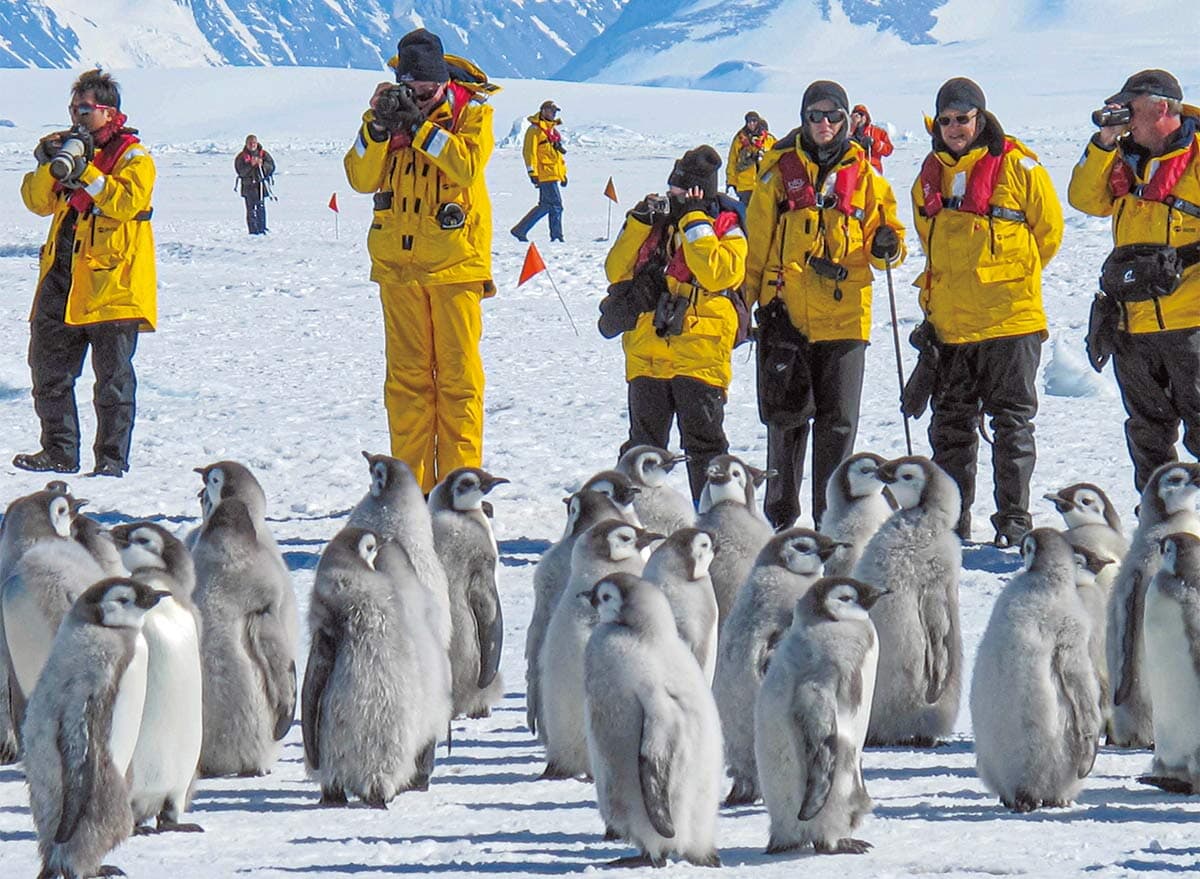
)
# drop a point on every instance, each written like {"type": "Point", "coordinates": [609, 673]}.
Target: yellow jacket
{"type": "Point", "coordinates": [542, 160]}
{"type": "Point", "coordinates": [983, 274]}
{"type": "Point", "coordinates": [782, 241]}
{"type": "Point", "coordinates": [704, 349]}
{"type": "Point", "coordinates": [112, 273]}
{"type": "Point", "coordinates": [1137, 220]}
{"type": "Point", "coordinates": [739, 177]}
{"type": "Point", "coordinates": [443, 165]}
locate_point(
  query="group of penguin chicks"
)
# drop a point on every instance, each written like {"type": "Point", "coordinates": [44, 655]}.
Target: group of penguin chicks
{"type": "Point", "coordinates": [667, 645]}
{"type": "Point", "coordinates": [134, 662]}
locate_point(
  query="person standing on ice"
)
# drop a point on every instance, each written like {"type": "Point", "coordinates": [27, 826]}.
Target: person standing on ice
{"type": "Point", "coordinates": [746, 153]}
{"type": "Point", "coordinates": [874, 140]}
{"type": "Point", "coordinates": [1141, 169]}
{"type": "Point", "coordinates": [675, 267]}
{"type": "Point", "coordinates": [989, 222]}
{"type": "Point", "coordinates": [97, 286]}
{"type": "Point", "coordinates": [543, 151]}
{"type": "Point", "coordinates": [254, 167]}
{"type": "Point", "coordinates": [422, 149]}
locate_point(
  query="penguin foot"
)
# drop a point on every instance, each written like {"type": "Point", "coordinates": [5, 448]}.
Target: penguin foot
{"type": "Point", "coordinates": [642, 860]}
{"type": "Point", "coordinates": [333, 798]}
{"type": "Point", "coordinates": [611, 835]}
{"type": "Point", "coordinates": [1165, 782]}
{"type": "Point", "coordinates": [845, 846]}
{"type": "Point", "coordinates": [110, 870]}
{"type": "Point", "coordinates": [1022, 803]}
{"type": "Point", "coordinates": [251, 773]}
{"type": "Point", "coordinates": [480, 714]}
{"type": "Point", "coordinates": [375, 801]}
{"type": "Point", "coordinates": [166, 825]}
{"type": "Point", "coordinates": [554, 772]}
{"type": "Point", "coordinates": [712, 859]}
{"type": "Point", "coordinates": [779, 848]}
{"type": "Point", "coordinates": [144, 830]}
{"type": "Point", "coordinates": [742, 794]}
{"type": "Point", "coordinates": [921, 742]}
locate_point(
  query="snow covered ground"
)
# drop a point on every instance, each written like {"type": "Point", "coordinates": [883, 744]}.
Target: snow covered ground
{"type": "Point", "coordinates": [270, 352]}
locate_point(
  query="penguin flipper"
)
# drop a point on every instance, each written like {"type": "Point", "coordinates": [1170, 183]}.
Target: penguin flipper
{"type": "Point", "coordinates": [267, 646]}
{"type": "Point", "coordinates": [1130, 628]}
{"type": "Point", "coordinates": [654, 773]}
{"type": "Point", "coordinates": [489, 625]}
{"type": "Point", "coordinates": [1076, 684]}
{"type": "Point", "coordinates": [939, 645]}
{"type": "Point", "coordinates": [316, 675]}
{"type": "Point", "coordinates": [75, 737]}
{"type": "Point", "coordinates": [815, 721]}
{"type": "Point", "coordinates": [766, 650]}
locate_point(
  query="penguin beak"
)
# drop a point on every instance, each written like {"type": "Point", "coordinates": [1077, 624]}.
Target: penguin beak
{"type": "Point", "coordinates": [872, 594]}
{"type": "Point", "coordinates": [1060, 503]}
{"type": "Point", "coordinates": [826, 550]}
{"type": "Point", "coordinates": [488, 482]}
{"type": "Point", "coordinates": [645, 538]}
{"type": "Point", "coordinates": [119, 538]}
{"type": "Point", "coordinates": [672, 461]}
{"type": "Point", "coordinates": [590, 595]}
{"type": "Point", "coordinates": [886, 474]}
{"type": "Point", "coordinates": [78, 504]}
{"type": "Point", "coordinates": [150, 597]}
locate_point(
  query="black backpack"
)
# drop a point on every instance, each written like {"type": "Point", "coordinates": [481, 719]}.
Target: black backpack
{"type": "Point", "coordinates": [785, 397]}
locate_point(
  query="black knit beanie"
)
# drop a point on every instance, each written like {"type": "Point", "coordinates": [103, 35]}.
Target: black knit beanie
{"type": "Point", "coordinates": [420, 57]}
{"type": "Point", "coordinates": [825, 90]}
{"type": "Point", "coordinates": [697, 167]}
{"type": "Point", "coordinates": [960, 93]}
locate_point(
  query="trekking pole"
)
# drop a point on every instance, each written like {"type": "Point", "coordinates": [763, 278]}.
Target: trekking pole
{"type": "Point", "coordinates": [896, 345]}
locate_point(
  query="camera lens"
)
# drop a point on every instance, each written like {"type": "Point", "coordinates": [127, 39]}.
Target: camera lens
{"type": "Point", "coordinates": [62, 164]}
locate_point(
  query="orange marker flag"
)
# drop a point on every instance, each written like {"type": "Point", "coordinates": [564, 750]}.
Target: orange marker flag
{"type": "Point", "coordinates": [611, 192]}
{"type": "Point", "coordinates": [533, 265]}
{"type": "Point", "coordinates": [333, 203]}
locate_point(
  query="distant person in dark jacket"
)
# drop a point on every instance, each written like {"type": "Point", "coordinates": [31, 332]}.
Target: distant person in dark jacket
{"type": "Point", "coordinates": [254, 167]}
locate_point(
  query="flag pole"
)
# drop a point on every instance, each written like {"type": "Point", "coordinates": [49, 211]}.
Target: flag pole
{"type": "Point", "coordinates": [608, 223]}
{"type": "Point", "coordinates": [563, 301]}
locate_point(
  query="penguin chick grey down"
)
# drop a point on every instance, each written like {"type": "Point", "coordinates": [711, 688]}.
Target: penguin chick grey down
{"type": "Point", "coordinates": [466, 545]}
{"type": "Point", "coordinates": [679, 566]}
{"type": "Point", "coordinates": [81, 726]}
{"type": "Point", "coordinates": [652, 727]}
{"type": "Point", "coordinates": [1035, 699]}
{"type": "Point", "coordinates": [1168, 506]}
{"type": "Point", "coordinates": [621, 488]}
{"type": "Point", "coordinates": [811, 720]}
{"type": "Point", "coordinates": [916, 555]}
{"type": "Point", "coordinates": [785, 569]}
{"type": "Point", "coordinates": [659, 506]}
{"type": "Point", "coordinates": [856, 505]}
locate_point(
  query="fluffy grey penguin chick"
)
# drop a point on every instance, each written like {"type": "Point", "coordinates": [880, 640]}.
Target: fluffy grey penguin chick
{"type": "Point", "coordinates": [679, 566]}
{"type": "Point", "coordinates": [785, 569]}
{"type": "Point", "coordinates": [376, 683]}
{"type": "Point", "coordinates": [80, 729]}
{"type": "Point", "coordinates": [916, 555]}
{"type": "Point", "coordinates": [466, 545]}
{"type": "Point", "coordinates": [729, 512]}
{"type": "Point", "coordinates": [856, 505]}
{"type": "Point", "coordinates": [659, 505]}
{"type": "Point", "coordinates": [96, 539]}
{"type": "Point", "coordinates": [811, 720]}
{"type": "Point", "coordinates": [1172, 628]}
{"type": "Point", "coordinates": [584, 509]}
{"type": "Point", "coordinates": [621, 488]}
{"type": "Point", "coordinates": [607, 547]}
{"type": "Point", "coordinates": [249, 665]}
{"type": "Point", "coordinates": [1168, 506]}
{"type": "Point", "coordinates": [1035, 700]}
{"type": "Point", "coordinates": [652, 728]}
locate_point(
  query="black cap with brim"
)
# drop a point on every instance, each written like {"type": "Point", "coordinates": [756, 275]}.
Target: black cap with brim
{"type": "Point", "coordinates": [1148, 82]}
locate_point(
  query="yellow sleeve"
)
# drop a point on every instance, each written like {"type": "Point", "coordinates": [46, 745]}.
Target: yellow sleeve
{"type": "Point", "coordinates": [881, 210]}
{"type": "Point", "coordinates": [37, 191]}
{"type": "Point", "coordinates": [922, 223]}
{"type": "Point", "coordinates": [619, 264]}
{"type": "Point", "coordinates": [128, 190]}
{"type": "Point", "coordinates": [731, 162]}
{"type": "Point", "coordinates": [715, 263]}
{"type": "Point", "coordinates": [761, 218]}
{"type": "Point", "coordinates": [366, 160]}
{"type": "Point", "coordinates": [1043, 213]}
{"type": "Point", "coordinates": [529, 151]}
{"type": "Point", "coordinates": [1088, 190]}
{"type": "Point", "coordinates": [461, 155]}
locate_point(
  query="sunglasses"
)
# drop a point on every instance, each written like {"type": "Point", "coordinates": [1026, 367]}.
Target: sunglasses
{"type": "Point", "coordinates": [959, 119]}
{"type": "Point", "coordinates": [815, 116]}
{"type": "Point", "coordinates": [85, 108]}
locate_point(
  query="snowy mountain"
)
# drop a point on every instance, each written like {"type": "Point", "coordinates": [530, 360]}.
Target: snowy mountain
{"type": "Point", "coordinates": [505, 37]}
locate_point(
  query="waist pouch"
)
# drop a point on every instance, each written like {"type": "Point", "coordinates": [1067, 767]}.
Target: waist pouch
{"type": "Point", "coordinates": [785, 397]}
{"type": "Point", "coordinates": [627, 301]}
{"type": "Point", "coordinates": [1140, 272]}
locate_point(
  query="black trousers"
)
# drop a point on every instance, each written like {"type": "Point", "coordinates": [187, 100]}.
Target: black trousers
{"type": "Point", "coordinates": [1159, 377]}
{"type": "Point", "coordinates": [996, 377]}
{"type": "Point", "coordinates": [698, 407]}
{"type": "Point", "coordinates": [256, 214]}
{"type": "Point", "coordinates": [837, 379]}
{"type": "Point", "coordinates": [56, 352]}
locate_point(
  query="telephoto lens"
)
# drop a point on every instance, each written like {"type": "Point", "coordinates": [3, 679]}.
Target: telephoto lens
{"type": "Point", "coordinates": [69, 160]}
{"type": "Point", "coordinates": [1107, 116]}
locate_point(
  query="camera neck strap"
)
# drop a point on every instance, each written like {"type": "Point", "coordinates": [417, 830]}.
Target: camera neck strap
{"type": "Point", "coordinates": [104, 160]}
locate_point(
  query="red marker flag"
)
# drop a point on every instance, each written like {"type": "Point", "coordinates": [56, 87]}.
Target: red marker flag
{"type": "Point", "coordinates": [333, 203]}
{"type": "Point", "coordinates": [611, 191]}
{"type": "Point", "coordinates": [533, 265]}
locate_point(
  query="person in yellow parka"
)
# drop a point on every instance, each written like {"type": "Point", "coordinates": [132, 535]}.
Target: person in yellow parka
{"type": "Point", "coordinates": [421, 150]}
{"type": "Point", "coordinates": [820, 219]}
{"type": "Point", "coordinates": [97, 285]}
{"type": "Point", "coordinates": [746, 153]}
{"type": "Point", "coordinates": [1145, 173]}
{"type": "Point", "coordinates": [989, 221]}
{"type": "Point", "coordinates": [689, 252]}
{"type": "Point", "coordinates": [543, 152]}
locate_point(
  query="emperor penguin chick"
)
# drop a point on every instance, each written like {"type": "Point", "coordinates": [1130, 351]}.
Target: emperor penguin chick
{"type": "Point", "coordinates": [466, 545]}
{"type": "Point", "coordinates": [98, 541]}
{"type": "Point", "coordinates": [1168, 506]}
{"type": "Point", "coordinates": [916, 555]}
{"type": "Point", "coordinates": [811, 720]}
{"type": "Point", "coordinates": [1035, 700]}
{"type": "Point", "coordinates": [659, 506]}
{"type": "Point", "coordinates": [652, 728]}
{"type": "Point", "coordinates": [1090, 567]}
{"type": "Point", "coordinates": [607, 547]}
{"type": "Point", "coordinates": [856, 505]}
{"type": "Point", "coordinates": [1172, 631]}
{"type": "Point", "coordinates": [248, 653]}
{"type": "Point", "coordinates": [785, 569]}
{"type": "Point", "coordinates": [621, 488]}
{"type": "Point", "coordinates": [168, 747]}
{"type": "Point", "coordinates": [729, 512]}
{"type": "Point", "coordinates": [584, 509]}
{"type": "Point", "coordinates": [81, 726]}
{"type": "Point", "coordinates": [679, 566]}
{"type": "Point", "coordinates": [376, 683]}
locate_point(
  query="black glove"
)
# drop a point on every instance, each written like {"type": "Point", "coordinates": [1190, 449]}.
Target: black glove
{"type": "Point", "coordinates": [919, 387]}
{"type": "Point", "coordinates": [48, 146]}
{"type": "Point", "coordinates": [886, 244]}
{"type": "Point", "coordinates": [534, 181]}
{"type": "Point", "coordinates": [564, 182]}
{"type": "Point", "coordinates": [1103, 326]}
{"type": "Point", "coordinates": [694, 204]}
{"type": "Point", "coordinates": [397, 111]}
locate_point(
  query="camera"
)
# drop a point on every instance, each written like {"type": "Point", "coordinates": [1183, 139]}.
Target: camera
{"type": "Point", "coordinates": [1107, 116]}
{"type": "Point", "coordinates": [658, 204]}
{"type": "Point", "coordinates": [71, 157]}
{"type": "Point", "coordinates": [559, 147]}
{"type": "Point", "coordinates": [392, 100]}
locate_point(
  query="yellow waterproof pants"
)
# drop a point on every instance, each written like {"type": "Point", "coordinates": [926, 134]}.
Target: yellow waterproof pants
{"type": "Point", "coordinates": [433, 391]}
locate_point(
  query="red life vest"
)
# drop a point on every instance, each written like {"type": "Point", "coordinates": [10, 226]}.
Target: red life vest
{"type": "Point", "coordinates": [677, 265]}
{"type": "Point", "coordinates": [105, 161]}
{"type": "Point", "coordinates": [981, 183]}
{"type": "Point", "coordinates": [799, 192]}
{"type": "Point", "coordinates": [458, 96]}
{"type": "Point", "coordinates": [1162, 181]}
